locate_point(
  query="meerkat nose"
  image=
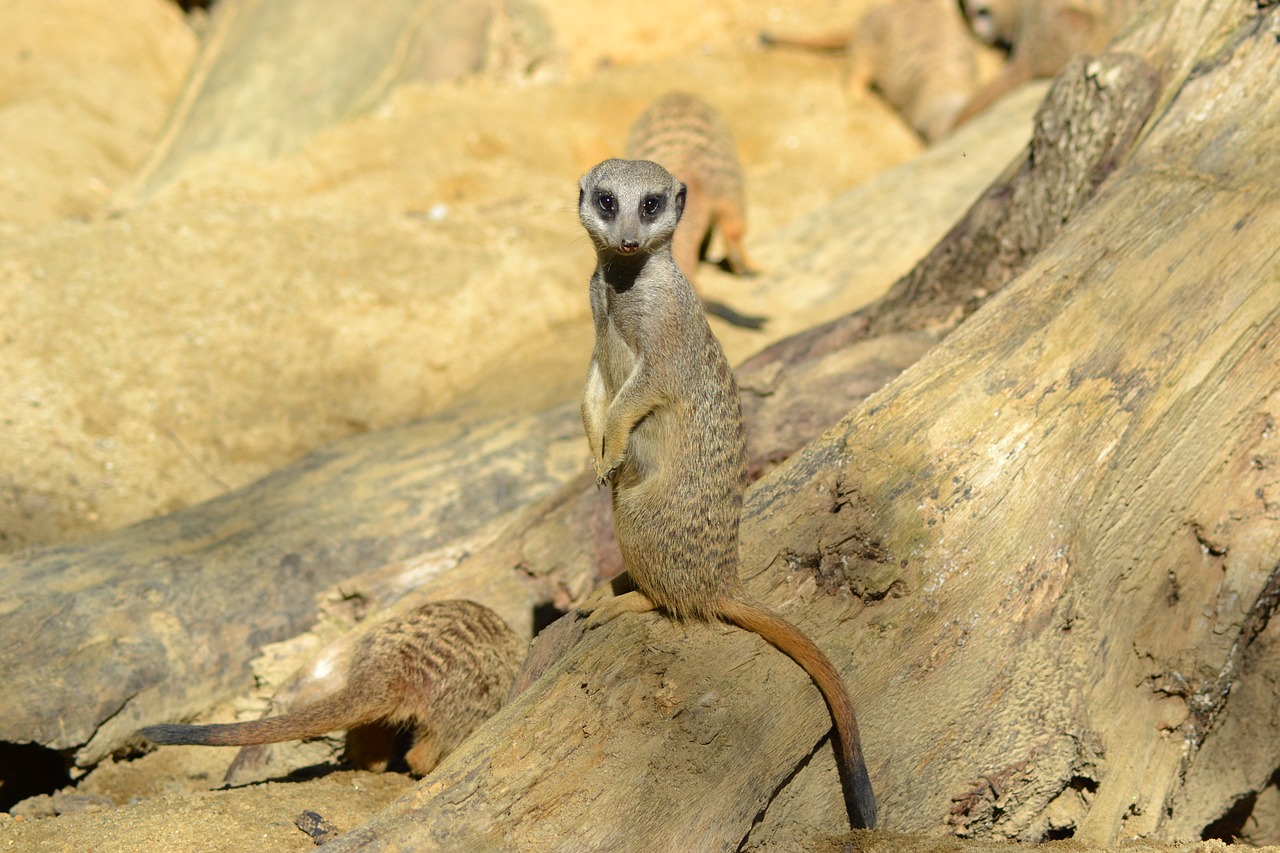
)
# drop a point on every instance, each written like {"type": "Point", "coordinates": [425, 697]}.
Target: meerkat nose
{"type": "Point", "coordinates": [630, 246]}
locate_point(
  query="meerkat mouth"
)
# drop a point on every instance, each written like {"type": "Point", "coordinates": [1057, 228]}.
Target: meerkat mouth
{"type": "Point", "coordinates": [628, 249]}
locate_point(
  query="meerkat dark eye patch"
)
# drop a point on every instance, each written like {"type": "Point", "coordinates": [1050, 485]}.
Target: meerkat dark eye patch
{"type": "Point", "coordinates": [653, 205]}
{"type": "Point", "coordinates": [606, 203]}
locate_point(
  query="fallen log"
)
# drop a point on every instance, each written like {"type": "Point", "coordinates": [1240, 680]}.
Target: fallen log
{"type": "Point", "coordinates": [160, 619]}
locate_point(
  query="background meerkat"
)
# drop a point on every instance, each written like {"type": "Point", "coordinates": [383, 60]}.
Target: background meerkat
{"type": "Point", "coordinates": [916, 53]}
{"type": "Point", "coordinates": [686, 136]}
{"type": "Point", "coordinates": [441, 669]}
{"type": "Point", "coordinates": [1041, 35]}
{"type": "Point", "coordinates": [661, 414]}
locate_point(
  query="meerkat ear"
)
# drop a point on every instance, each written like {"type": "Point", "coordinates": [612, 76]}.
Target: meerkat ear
{"type": "Point", "coordinates": [680, 194]}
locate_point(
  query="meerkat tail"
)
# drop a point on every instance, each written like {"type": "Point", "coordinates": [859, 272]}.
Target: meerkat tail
{"type": "Point", "coordinates": [859, 799]}
{"type": "Point", "coordinates": [338, 712]}
{"type": "Point", "coordinates": [832, 41]}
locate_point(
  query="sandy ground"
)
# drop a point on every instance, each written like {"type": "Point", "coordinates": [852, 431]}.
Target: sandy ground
{"type": "Point", "coordinates": [156, 355]}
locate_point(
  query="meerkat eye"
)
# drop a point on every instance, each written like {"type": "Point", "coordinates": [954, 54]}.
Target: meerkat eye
{"type": "Point", "coordinates": [652, 205]}
{"type": "Point", "coordinates": [605, 202]}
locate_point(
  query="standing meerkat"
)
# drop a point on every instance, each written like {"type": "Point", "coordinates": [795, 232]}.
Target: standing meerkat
{"type": "Point", "coordinates": [917, 54]}
{"type": "Point", "coordinates": [440, 670]}
{"type": "Point", "coordinates": [688, 138]}
{"type": "Point", "coordinates": [1042, 37]}
{"type": "Point", "coordinates": [661, 414]}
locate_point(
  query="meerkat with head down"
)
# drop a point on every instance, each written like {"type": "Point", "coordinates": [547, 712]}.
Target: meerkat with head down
{"type": "Point", "coordinates": [440, 670]}
{"type": "Point", "coordinates": [1041, 35]}
{"type": "Point", "coordinates": [661, 414]}
{"type": "Point", "coordinates": [916, 53]}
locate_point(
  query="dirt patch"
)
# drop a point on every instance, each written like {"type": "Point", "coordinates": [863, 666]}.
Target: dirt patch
{"type": "Point", "coordinates": [158, 355]}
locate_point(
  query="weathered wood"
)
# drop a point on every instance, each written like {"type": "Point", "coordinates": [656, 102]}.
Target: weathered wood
{"type": "Point", "coordinates": [155, 621]}
{"type": "Point", "coordinates": [1086, 124]}
{"type": "Point", "coordinates": [1057, 536]}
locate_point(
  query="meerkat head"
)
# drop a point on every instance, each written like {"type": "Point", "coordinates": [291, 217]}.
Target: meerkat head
{"type": "Point", "coordinates": [630, 207]}
{"type": "Point", "coordinates": [993, 22]}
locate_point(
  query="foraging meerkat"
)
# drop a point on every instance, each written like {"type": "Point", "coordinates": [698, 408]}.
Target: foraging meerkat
{"type": "Point", "coordinates": [916, 53]}
{"type": "Point", "coordinates": [689, 139]}
{"type": "Point", "coordinates": [1042, 36]}
{"type": "Point", "coordinates": [661, 414]}
{"type": "Point", "coordinates": [442, 669]}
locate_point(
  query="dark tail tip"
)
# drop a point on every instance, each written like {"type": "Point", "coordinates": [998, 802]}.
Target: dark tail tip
{"type": "Point", "coordinates": [859, 798]}
{"type": "Point", "coordinates": [724, 312]}
{"type": "Point", "coordinates": [862, 809]}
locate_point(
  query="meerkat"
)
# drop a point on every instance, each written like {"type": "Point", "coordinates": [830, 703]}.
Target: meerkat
{"type": "Point", "coordinates": [916, 53]}
{"type": "Point", "coordinates": [689, 138]}
{"type": "Point", "coordinates": [440, 670]}
{"type": "Point", "coordinates": [1041, 35]}
{"type": "Point", "coordinates": [661, 414]}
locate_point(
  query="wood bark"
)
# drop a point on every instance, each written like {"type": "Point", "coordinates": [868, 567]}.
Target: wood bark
{"type": "Point", "coordinates": [1045, 557]}
{"type": "Point", "coordinates": [1081, 130]}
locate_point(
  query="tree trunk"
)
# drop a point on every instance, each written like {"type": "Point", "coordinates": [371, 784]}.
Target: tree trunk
{"type": "Point", "coordinates": [1044, 557]}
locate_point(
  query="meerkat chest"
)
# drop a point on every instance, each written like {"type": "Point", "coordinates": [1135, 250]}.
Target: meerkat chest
{"type": "Point", "coordinates": [618, 358]}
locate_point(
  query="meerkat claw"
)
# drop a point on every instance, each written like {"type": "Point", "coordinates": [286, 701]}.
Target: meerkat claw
{"type": "Point", "coordinates": [590, 607]}
{"type": "Point", "coordinates": [604, 473]}
{"type": "Point", "coordinates": [603, 606]}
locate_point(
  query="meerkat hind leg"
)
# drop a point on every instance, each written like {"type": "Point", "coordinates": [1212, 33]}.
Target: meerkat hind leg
{"type": "Point", "coordinates": [371, 746]}
{"type": "Point", "coordinates": [600, 608]}
{"type": "Point", "coordinates": [425, 753]}
{"type": "Point", "coordinates": [733, 227]}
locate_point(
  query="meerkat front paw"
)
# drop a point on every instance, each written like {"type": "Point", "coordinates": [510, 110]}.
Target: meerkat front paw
{"type": "Point", "coordinates": [605, 471]}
